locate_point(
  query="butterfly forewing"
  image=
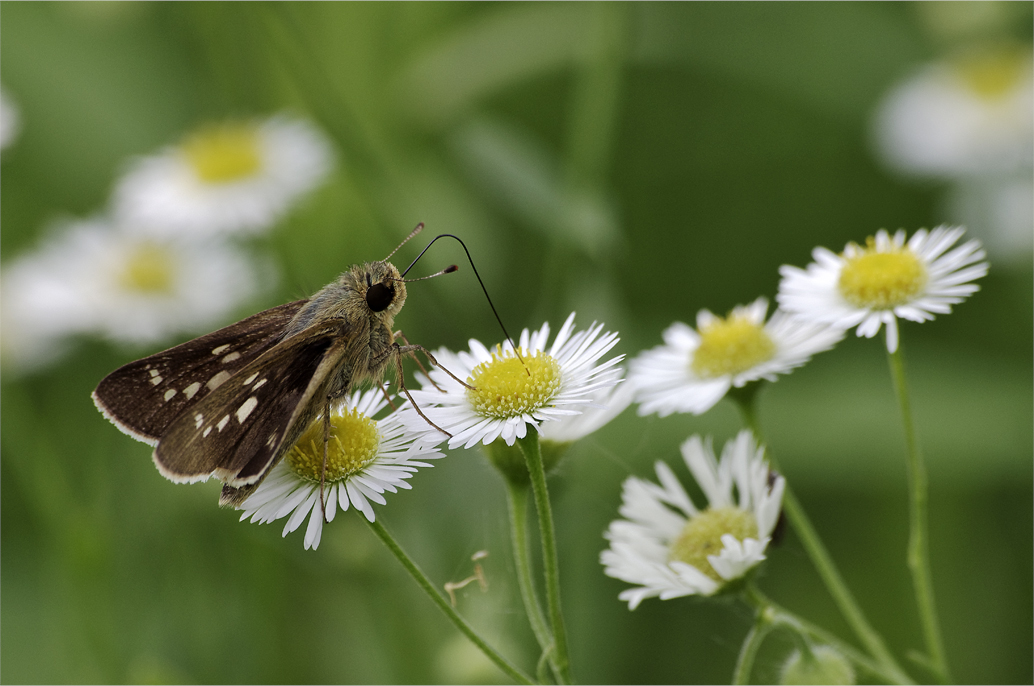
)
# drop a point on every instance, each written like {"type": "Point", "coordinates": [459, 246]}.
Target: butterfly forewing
{"type": "Point", "coordinates": [239, 430]}
{"type": "Point", "coordinates": [145, 397]}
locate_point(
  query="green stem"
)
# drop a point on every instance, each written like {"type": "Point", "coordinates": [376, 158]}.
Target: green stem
{"type": "Point", "coordinates": [745, 662]}
{"type": "Point", "coordinates": [529, 445]}
{"type": "Point", "coordinates": [517, 500]}
{"type": "Point", "coordinates": [822, 560]}
{"type": "Point", "coordinates": [443, 604]}
{"type": "Point", "coordinates": [918, 541]}
{"type": "Point", "coordinates": [782, 616]}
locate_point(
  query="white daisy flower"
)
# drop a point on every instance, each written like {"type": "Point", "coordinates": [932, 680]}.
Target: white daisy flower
{"type": "Point", "coordinates": [365, 459]}
{"type": "Point", "coordinates": [230, 178]}
{"type": "Point", "coordinates": [511, 395]}
{"type": "Point", "coordinates": [669, 548]}
{"type": "Point", "coordinates": [607, 403]}
{"type": "Point", "coordinates": [92, 278]}
{"type": "Point", "coordinates": [873, 285]}
{"type": "Point", "coordinates": [694, 369]}
{"type": "Point", "coordinates": [971, 115]}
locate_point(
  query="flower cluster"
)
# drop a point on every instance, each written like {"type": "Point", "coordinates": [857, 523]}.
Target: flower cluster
{"type": "Point", "coordinates": [664, 544]}
{"type": "Point", "coordinates": [160, 262]}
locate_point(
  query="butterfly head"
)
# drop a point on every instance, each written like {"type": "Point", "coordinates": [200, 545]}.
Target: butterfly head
{"type": "Point", "coordinates": [382, 288]}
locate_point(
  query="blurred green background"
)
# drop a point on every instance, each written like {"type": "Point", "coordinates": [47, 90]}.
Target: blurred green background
{"type": "Point", "coordinates": [634, 163]}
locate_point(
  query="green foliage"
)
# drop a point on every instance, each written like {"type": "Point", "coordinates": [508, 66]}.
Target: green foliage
{"type": "Point", "coordinates": [634, 163]}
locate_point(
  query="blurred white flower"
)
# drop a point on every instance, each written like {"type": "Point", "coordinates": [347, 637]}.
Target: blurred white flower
{"type": "Point", "coordinates": [695, 368]}
{"type": "Point", "coordinates": [9, 120]}
{"type": "Point", "coordinates": [970, 121]}
{"type": "Point", "coordinates": [669, 548]}
{"type": "Point", "coordinates": [89, 277]}
{"type": "Point", "coordinates": [365, 459]}
{"type": "Point", "coordinates": [238, 177]}
{"type": "Point", "coordinates": [871, 286]}
{"type": "Point", "coordinates": [969, 116]}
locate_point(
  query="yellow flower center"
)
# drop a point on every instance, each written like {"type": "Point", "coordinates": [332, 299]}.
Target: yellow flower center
{"type": "Point", "coordinates": [882, 280]}
{"type": "Point", "coordinates": [702, 536]}
{"type": "Point", "coordinates": [730, 346]}
{"type": "Point", "coordinates": [353, 444]}
{"type": "Point", "coordinates": [148, 269]}
{"type": "Point", "coordinates": [506, 388]}
{"type": "Point", "coordinates": [992, 75]}
{"type": "Point", "coordinates": [222, 154]}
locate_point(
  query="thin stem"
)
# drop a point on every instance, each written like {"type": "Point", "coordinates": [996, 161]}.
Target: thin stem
{"type": "Point", "coordinates": [781, 615]}
{"type": "Point", "coordinates": [822, 560]}
{"type": "Point", "coordinates": [443, 604]}
{"type": "Point", "coordinates": [751, 644]}
{"type": "Point", "coordinates": [918, 540]}
{"type": "Point", "coordinates": [517, 500]}
{"type": "Point", "coordinates": [529, 445]}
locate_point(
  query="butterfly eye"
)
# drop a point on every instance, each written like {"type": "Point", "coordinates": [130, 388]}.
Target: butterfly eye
{"type": "Point", "coordinates": [379, 296]}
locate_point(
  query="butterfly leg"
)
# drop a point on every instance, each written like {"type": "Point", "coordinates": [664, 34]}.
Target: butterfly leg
{"type": "Point", "coordinates": [326, 441]}
{"type": "Point", "coordinates": [397, 352]}
{"type": "Point", "coordinates": [411, 349]}
{"type": "Point", "coordinates": [399, 334]}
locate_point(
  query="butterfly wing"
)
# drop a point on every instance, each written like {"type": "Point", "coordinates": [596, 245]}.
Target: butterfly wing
{"type": "Point", "coordinates": [239, 430]}
{"type": "Point", "coordinates": [143, 398]}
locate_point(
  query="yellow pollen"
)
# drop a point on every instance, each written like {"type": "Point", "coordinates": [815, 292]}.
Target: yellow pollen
{"type": "Point", "coordinates": [992, 75]}
{"type": "Point", "coordinates": [702, 536]}
{"type": "Point", "coordinates": [882, 280]}
{"type": "Point", "coordinates": [223, 154]}
{"type": "Point", "coordinates": [353, 444]}
{"type": "Point", "coordinates": [507, 388]}
{"type": "Point", "coordinates": [730, 346]}
{"type": "Point", "coordinates": [148, 269]}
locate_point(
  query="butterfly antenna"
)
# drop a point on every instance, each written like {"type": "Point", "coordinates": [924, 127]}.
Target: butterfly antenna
{"type": "Point", "coordinates": [418, 229]}
{"type": "Point", "coordinates": [483, 289]}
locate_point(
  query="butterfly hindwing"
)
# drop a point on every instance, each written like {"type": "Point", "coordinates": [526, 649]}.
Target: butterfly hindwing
{"type": "Point", "coordinates": [145, 397]}
{"type": "Point", "coordinates": [240, 429]}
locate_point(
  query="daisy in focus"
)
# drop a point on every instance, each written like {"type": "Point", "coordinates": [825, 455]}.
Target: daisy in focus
{"type": "Point", "coordinates": [668, 548]}
{"type": "Point", "coordinates": [235, 177]}
{"type": "Point", "coordinates": [695, 368]}
{"type": "Point", "coordinates": [509, 395]}
{"type": "Point", "coordinates": [366, 457]}
{"type": "Point", "coordinates": [94, 278]}
{"type": "Point", "coordinates": [871, 286]}
{"type": "Point", "coordinates": [607, 403]}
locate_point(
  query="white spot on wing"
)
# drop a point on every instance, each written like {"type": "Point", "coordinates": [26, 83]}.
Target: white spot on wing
{"type": "Point", "coordinates": [156, 380]}
{"type": "Point", "coordinates": [223, 422]}
{"type": "Point", "coordinates": [169, 394]}
{"type": "Point", "coordinates": [199, 419]}
{"type": "Point", "coordinates": [207, 431]}
{"type": "Point", "coordinates": [250, 378]}
{"type": "Point", "coordinates": [154, 372]}
{"type": "Point", "coordinates": [221, 349]}
{"type": "Point", "coordinates": [244, 410]}
{"type": "Point", "coordinates": [191, 390]}
{"type": "Point", "coordinates": [231, 357]}
{"type": "Point", "coordinates": [217, 380]}
{"type": "Point", "coordinates": [260, 382]}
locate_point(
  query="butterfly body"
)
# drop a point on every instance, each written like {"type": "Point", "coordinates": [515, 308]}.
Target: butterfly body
{"type": "Point", "coordinates": [231, 403]}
